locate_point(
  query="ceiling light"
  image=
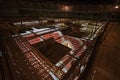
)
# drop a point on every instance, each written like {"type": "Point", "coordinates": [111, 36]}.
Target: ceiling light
{"type": "Point", "coordinates": [116, 7]}
{"type": "Point", "coordinates": [66, 8]}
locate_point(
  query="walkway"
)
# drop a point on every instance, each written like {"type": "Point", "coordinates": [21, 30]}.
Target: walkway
{"type": "Point", "coordinates": [107, 62]}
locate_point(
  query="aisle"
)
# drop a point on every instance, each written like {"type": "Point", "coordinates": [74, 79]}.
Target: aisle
{"type": "Point", "coordinates": [107, 62]}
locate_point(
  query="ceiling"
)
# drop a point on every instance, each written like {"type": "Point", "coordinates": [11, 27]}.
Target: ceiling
{"type": "Point", "coordinates": [40, 7]}
{"type": "Point", "coordinates": [94, 2]}
{"type": "Point", "coordinates": [85, 1]}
